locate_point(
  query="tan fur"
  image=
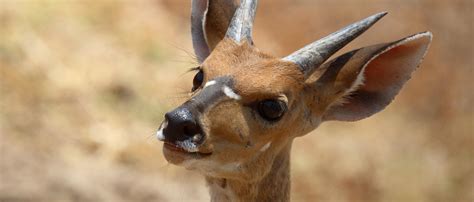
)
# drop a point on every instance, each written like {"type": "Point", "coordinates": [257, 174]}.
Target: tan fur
{"type": "Point", "coordinates": [250, 157]}
{"type": "Point", "coordinates": [218, 17]}
{"type": "Point", "coordinates": [275, 186]}
{"type": "Point", "coordinates": [249, 170]}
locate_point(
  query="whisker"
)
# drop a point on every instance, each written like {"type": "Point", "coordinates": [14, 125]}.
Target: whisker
{"type": "Point", "coordinates": [179, 96]}
{"type": "Point", "coordinates": [184, 61]}
{"type": "Point", "coordinates": [166, 165]}
{"type": "Point", "coordinates": [187, 52]}
{"type": "Point", "coordinates": [150, 137]}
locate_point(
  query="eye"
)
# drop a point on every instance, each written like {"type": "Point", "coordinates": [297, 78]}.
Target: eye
{"type": "Point", "coordinates": [198, 79]}
{"type": "Point", "coordinates": [271, 110]}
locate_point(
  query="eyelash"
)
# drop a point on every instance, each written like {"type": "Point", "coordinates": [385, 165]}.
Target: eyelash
{"type": "Point", "coordinates": [194, 69]}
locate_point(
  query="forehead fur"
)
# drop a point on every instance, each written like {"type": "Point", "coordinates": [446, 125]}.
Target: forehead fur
{"type": "Point", "coordinates": [255, 74]}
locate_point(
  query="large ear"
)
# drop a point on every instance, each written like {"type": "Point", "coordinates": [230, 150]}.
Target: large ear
{"type": "Point", "coordinates": [209, 22]}
{"type": "Point", "coordinates": [362, 82]}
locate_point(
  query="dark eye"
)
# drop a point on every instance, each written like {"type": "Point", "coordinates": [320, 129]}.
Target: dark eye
{"type": "Point", "coordinates": [197, 81]}
{"type": "Point", "coordinates": [271, 110]}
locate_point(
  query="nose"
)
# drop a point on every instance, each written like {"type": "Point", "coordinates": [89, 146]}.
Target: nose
{"type": "Point", "coordinates": [182, 125]}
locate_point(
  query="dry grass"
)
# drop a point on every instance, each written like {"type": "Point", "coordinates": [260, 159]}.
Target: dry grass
{"type": "Point", "coordinates": [84, 85]}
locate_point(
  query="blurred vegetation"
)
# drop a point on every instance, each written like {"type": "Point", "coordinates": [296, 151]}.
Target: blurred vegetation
{"type": "Point", "coordinates": [84, 85]}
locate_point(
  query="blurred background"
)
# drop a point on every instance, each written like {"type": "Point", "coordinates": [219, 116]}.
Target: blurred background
{"type": "Point", "coordinates": [84, 85]}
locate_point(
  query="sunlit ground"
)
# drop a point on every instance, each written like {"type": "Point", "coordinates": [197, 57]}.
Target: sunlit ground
{"type": "Point", "coordinates": [84, 85]}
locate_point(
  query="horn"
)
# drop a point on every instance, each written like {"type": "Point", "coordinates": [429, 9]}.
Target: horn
{"type": "Point", "coordinates": [310, 57]}
{"type": "Point", "coordinates": [241, 25]}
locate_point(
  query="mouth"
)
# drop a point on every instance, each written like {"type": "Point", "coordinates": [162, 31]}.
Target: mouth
{"type": "Point", "coordinates": [177, 150]}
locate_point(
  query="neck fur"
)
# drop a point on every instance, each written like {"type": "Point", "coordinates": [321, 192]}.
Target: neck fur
{"type": "Point", "coordinates": [275, 186]}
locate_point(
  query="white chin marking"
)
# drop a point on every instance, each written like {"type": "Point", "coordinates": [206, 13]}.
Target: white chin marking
{"type": "Point", "coordinates": [188, 145]}
{"type": "Point", "coordinates": [210, 83]}
{"type": "Point", "coordinates": [265, 147]}
{"type": "Point", "coordinates": [230, 167]}
{"type": "Point", "coordinates": [230, 93]}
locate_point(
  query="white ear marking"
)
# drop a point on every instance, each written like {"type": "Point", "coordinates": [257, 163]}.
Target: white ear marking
{"type": "Point", "coordinates": [210, 83]}
{"type": "Point", "coordinates": [230, 93]}
{"type": "Point", "coordinates": [357, 83]}
{"type": "Point", "coordinates": [265, 147]}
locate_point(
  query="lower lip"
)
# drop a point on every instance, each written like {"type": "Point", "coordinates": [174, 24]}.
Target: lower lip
{"type": "Point", "coordinates": [176, 149]}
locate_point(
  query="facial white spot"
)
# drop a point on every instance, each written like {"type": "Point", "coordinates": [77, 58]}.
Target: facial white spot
{"type": "Point", "coordinates": [191, 164]}
{"type": "Point", "coordinates": [197, 137]}
{"type": "Point", "coordinates": [210, 167]}
{"type": "Point", "coordinates": [230, 166]}
{"type": "Point", "coordinates": [265, 147]}
{"type": "Point", "coordinates": [230, 93]}
{"type": "Point", "coordinates": [160, 134]}
{"type": "Point", "coordinates": [210, 83]}
{"type": "Point", "coordinates": [218, 192]}
{"type": "Point", "coordinates": [230, 193]}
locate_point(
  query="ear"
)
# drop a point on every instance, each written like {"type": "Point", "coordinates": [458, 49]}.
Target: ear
{"type": "Point", "coordinates": [209, 22]}
{"type": "Point", "coordinates": [364, 81]}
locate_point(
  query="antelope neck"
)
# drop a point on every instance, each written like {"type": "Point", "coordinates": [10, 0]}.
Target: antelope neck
{"type": "Point", "coordinates": [275, 186]}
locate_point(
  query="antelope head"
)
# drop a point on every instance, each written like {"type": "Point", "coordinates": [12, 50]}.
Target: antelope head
{"type": "Point", "coordinates": [247, 106]}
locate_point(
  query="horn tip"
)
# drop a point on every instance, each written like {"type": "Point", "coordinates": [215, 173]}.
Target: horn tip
{"type": "Point", "coordinates": [371, 20]}
{"type": "Point", "coordinates": [380, 15]}
{"type": "Point", "coordinates": [383, 13]}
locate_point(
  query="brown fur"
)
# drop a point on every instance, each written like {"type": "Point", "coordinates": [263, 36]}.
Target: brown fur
{"type": "Point", "coordinates": [240, 136]}
{"type": "Point", "coordinates": [275, 186]}
{"type": "Point", "coordinates": [218, 18]}
{"type": "Point", "coordinates": [250, 156]}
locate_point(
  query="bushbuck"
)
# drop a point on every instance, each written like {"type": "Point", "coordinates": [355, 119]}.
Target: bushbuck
{"type": "Point", "coordinates": [247, 106]}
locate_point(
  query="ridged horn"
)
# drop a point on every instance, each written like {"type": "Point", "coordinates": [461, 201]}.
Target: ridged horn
{"type": "Point", "coordinates": [310, 57]}
{"type": "Point", "coordinates": [241, 25]}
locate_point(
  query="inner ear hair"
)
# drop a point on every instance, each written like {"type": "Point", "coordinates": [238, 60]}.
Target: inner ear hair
{"type": "Point", "coordinates": [345, 74]}
{"type": "Point", "coordinates": [362, 82]}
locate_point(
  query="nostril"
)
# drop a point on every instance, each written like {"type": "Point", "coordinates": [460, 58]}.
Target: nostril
{"type": "Point", "coordinates": [190, 129]}
{"type": "Point", "coordinates": [187, 130]}
{"type": "Point", "coordinates": [182, 125]}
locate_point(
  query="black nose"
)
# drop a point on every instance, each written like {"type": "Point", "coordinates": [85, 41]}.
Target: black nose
{"type": "Point", "coordinates": [182, 125]}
